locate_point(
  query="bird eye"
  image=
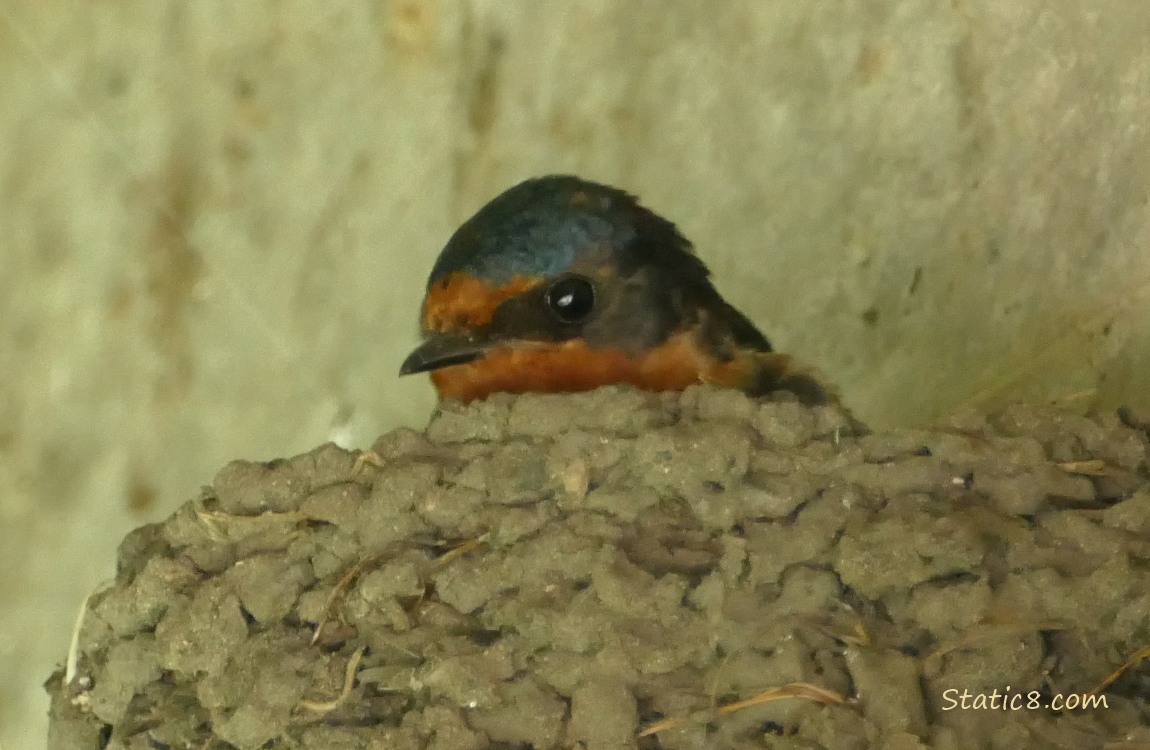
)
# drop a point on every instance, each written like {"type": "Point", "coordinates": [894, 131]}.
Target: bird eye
{"type": "Point", "coordinates": [571, 299]}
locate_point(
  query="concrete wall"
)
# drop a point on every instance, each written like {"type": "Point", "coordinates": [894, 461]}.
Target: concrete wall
{"type": "Point", "coordinates": [216, 218]}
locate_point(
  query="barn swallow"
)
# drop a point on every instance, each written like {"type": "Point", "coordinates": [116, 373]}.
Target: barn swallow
{"type": "Point", "coordinates": [560, 284]}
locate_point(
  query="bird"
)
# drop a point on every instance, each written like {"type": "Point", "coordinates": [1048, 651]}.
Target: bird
{"type": "Point", "coordinates": [560, 284]}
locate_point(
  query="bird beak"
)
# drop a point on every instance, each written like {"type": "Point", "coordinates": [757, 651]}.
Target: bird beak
{"type": "Point", "coordinates": [443, 350]}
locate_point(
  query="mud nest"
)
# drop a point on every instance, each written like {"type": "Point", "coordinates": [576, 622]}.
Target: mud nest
{"type": "Point", "coordinates": [622, 569]}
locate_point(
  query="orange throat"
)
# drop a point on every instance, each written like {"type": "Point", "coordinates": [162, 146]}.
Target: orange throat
{"type": "Point", "coordinates": [574, 366]}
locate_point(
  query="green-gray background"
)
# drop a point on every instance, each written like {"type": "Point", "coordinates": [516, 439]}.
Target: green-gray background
{"type": "Point", "coordinates": [216, 217]}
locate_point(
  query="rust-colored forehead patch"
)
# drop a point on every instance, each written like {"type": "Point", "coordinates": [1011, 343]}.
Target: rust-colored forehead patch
{"type": "Point", "coordinates": [462, 302]}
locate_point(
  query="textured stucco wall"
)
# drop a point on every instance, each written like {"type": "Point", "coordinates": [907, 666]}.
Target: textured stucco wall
{"type": "Point", "coordinates": [216, 218]}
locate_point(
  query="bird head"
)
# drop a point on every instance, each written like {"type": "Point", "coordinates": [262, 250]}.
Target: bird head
{"type": "Point", "coordinates": [560, 284]}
